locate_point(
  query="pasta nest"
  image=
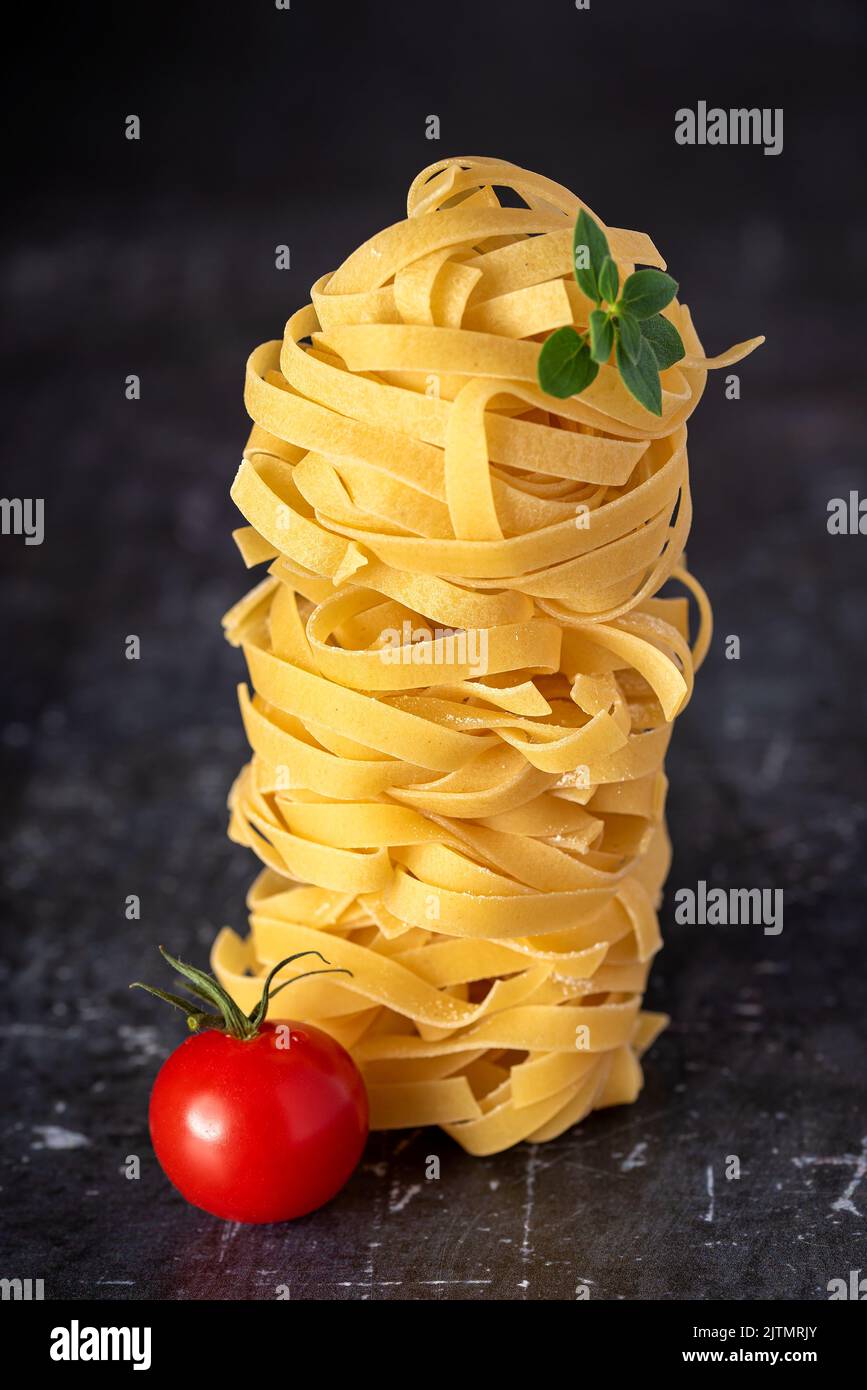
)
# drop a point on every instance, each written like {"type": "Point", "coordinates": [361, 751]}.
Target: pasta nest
{"type": "Point", "coordinates": [465, 678]}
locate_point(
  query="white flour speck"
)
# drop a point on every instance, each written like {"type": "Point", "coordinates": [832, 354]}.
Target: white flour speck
{"type": "Point", "coordinates": [53, 1137]}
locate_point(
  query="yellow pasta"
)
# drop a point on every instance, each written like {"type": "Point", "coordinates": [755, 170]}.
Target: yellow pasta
{"type": "Point", "coordinates": [463, 676]}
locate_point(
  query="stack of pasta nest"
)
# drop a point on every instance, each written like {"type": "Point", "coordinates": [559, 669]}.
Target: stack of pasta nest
{"type": "Point", "coordinates": [464, 678]}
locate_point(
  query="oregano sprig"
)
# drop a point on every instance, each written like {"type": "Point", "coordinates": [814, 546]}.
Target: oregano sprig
{"type": "Point", "coordinates": [627, 321]}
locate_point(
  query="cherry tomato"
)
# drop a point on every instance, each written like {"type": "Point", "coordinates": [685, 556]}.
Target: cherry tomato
{"type": "Point", "coordinates": [257, 1130]}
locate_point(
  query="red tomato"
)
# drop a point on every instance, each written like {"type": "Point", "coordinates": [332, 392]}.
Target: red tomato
{"type": "Point", "coordinates": [257, 1131]}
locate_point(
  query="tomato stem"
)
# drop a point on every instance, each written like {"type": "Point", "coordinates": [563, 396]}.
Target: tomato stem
{"type": "Point", "coordinates": [229, 1018]}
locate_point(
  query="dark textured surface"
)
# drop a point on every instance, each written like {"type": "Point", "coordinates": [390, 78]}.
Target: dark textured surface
{"type": "Point", "coordinates": [158, 259]}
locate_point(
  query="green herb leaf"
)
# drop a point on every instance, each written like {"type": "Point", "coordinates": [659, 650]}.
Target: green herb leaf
{"type": "Point", "coordinates": [609, 280]}
{"type": "Point", "coordinates": [646, 292]}
{"type": "Point", "coordinates": [601, 336]}
{"type": "Point", "coordinates": [565, 365]}
{"type": "Point", "coordinates": [641, 378]}
{"type": "Point", "coordinates": [665, 340]}
{"type": "Point", "coordinates": [589, 250]}
{"type": "Point", "coordinates": [629, 334]}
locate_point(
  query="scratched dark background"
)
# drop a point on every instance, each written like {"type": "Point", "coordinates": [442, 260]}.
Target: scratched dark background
{"type": "Point", "coordinates": [261, 127]}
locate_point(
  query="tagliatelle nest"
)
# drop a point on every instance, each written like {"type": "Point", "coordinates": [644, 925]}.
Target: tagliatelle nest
{"type": "Point", "coordinates": [464, 681]}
